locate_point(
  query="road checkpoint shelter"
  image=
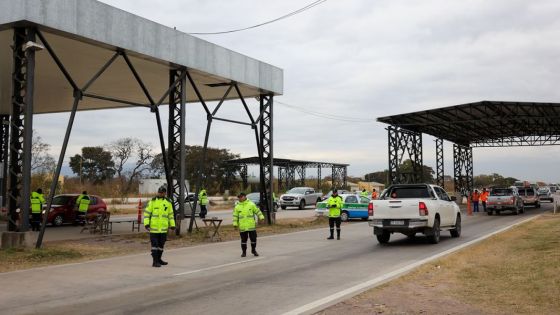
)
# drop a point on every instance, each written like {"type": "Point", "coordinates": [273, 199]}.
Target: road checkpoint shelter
{"type": "Point", "coordinates": [467, 126]}
{"type": "Point", "coordinates": [69, 55]}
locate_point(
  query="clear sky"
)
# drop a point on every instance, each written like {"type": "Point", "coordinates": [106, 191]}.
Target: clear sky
{"type": "Point", "coordinates": [356, 60]}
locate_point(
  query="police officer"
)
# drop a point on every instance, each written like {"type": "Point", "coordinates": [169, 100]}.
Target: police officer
{"type": "Point", "coordinates": [374, 194]}
{"type": "Point", "coordinates": [37, 201]}
{"type": "Point", "coordinates": [203, 199]}
{"type": "Point", "coordinates": [244, 218]}
{"type": "Point", "coordinates": [364, 193]}
{"type": "Point", "coordinates": [158, 218]}
{"type": "Point", "coordinates": [82, 202]}
{"type": "Point", "coordinates": [334, 203]}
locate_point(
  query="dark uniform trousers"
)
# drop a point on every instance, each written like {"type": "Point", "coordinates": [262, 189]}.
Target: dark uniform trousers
{"type": "Point", "coordinates": [35, 221]}
{"type": "Point", "coordinates": [250, 234]}
{"type": "Point", "coordinates": [332, 222]}
{"type": "Point", "coordinates": [158, 242]}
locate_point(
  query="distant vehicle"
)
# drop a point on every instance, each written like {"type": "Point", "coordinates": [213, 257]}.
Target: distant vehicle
{"type": "Point", "coordinates": [354, 207]}
{"type": "Point", "coordinates": [189, 202]}
{"type": "Point", "coordinates": [255, 197]}
{"type": "Point", "coordinates": [62, 208]}
{"type": "Point", "coordinates": [501, 199]}
{"type": "Point", "coordinates": [530, 196]}
{"type": "Point", "coordinates": [545, 194]}
{"type": "Point", "coordinates": [414, 208]}
{"type": "Point", "coordinates": [300, 197]}
{"type": "Point", "coordinates": [553, 188]}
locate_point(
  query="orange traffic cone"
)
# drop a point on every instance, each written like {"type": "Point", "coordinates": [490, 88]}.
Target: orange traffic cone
{"type": "Point", "coordinates": [469, 206]}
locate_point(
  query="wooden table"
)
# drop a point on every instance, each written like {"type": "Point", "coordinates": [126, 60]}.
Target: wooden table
{"type": "Point", "coordinates": [213, 227]}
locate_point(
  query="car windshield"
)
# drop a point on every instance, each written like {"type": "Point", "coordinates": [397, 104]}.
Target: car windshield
{"type": "Point", "coordinates": [61, 200]}
{"type": "Point", "coordinates": [501, 192]}
{"type": "Point", "coordinates": [410, 192]}
{"type": "Point", "coordinates": [543, 190]}
{"type": "Point", "coordinates": [297, 191]}
{"type": "Point", "coordinates": [527, 192]}
{"type": "Point", "coordinates": [254, 196]}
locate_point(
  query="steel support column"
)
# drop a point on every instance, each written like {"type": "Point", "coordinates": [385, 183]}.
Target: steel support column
{"type": "Point", "coordinates": [4, 150]}
{"type": "Point", "coordinates": [243, 173]}
{"type": "Point", "coordinates": [282, 182]}
{"type": "Point", "coordinates": [440, 176]}
{"type": "Point", "coordinates": [319, 177]}
{"type": "Point", "coordinates": [400, 142]}
{"type": "Point", "coordinates": [463, 161]}
{"type": "Point", "coordinates": [23, 76]}
{"type": "Point", "coordinates": [176, 144]}
{"type": "Point", "coordinates": [300, 170]}
{"type": "Point", "coordinates": [266, 142]}
{"type": "Point", "coordinates": [291, 177]}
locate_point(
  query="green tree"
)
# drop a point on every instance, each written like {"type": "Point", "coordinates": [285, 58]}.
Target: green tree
{"type": "Point", "coordinates": [94, 164]}
{"type": "Point", "coordinates": [406, 167]}
{"type": "Point", "coordinates": [215, 172]}
{"type": "Point", "coordinates": [134, 153]}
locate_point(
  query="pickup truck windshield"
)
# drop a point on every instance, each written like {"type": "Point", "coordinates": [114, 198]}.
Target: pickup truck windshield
{"type": "Point", "coordinates": [526, 192]}
{"type": "Point", "coordinates": [501, 192]}
{"type": "Point", "coordinates": [409, 192]}
{"type": "Point", "coordinates": [297, 191]}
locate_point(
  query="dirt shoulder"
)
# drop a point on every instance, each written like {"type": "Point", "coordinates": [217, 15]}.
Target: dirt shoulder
{"type": "Point", "coordinates": [515, 272]}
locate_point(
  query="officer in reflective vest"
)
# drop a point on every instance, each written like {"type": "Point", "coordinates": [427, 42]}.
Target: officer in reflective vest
{"type": "Point", "coordinates": [37, 201]}
{"type": "Point", "coordinates": [364, 193]}
{"type": "Point", "coordinates": [334, 203]}
{"type": "Point", "coordinates": [203, 198]}
{"type": "Point", "coordinates": [244, 219]}
{"type": "Point", "coordinates": [82, 202]}
{"type": "Point", "coordinates": [374, 194]}
{"type": "Point", "coordinates": [158, 218]}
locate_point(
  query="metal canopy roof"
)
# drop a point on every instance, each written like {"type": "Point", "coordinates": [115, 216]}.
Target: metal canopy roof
{"type": "Point", "coordinates": [285, 162]}
{"type": "Point", "coordinates": [487, 123]}
{"type": "Point", "coordinates": [86, 33]}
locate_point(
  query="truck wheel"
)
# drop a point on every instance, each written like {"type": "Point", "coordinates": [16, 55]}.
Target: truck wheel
{"type": "Point", "coordinates": [538, 205]}
{"type": "Point", "coordinates": [283, 207]}
{"type": "Point", "coordinates": [434, 237]}
{"type": "Point", "coordinates": [344, 216]}
{"type": "Point", "coordinates": [456, 232]}
{"type": "Point", "coordinates": [516, 211]}
{"type": "Point", "coordinates": [383, 238]}
{"type": "Point", "coordinates": [301, 204]}
{"type": "Point", "coordinates": [489, 212]}
{"type": "Point", "coordinates": [522, 209]}
{"type": "Point", "coordinates": [58, 220]}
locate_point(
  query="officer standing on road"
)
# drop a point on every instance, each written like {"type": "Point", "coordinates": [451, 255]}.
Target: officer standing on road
{"type": "Point", "coordinates": [484, 197]}
{"type": "Point", "coordinates": [37, 201]}
{"type": "Point", "coordinates": [334, 203]}
{"type": "Point", "coordinates": [203, 199]}
{"type": "Point", "coordinates": [82, 203]}
{"type": "Point", "coordinates": [474, 200]}
{"type": "Point", "coordinates": [158, 218]}
{"type": "Point", "coordinates": [244, 218]}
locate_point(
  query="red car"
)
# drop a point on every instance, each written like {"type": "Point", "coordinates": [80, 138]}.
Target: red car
{"type": "Point", "coordinates": [62, 208]}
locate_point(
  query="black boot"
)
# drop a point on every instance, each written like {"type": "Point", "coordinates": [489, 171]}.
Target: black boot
{"type": "Point", "coordinates": [161, 262]}
{"type": "Point", "coordinates": [155, 262]}
{"type": "Point", "coordinates": [338, 234]}
{"type": "Point", "coordinates": [243, 250]}
{"type": "Point", "coordinates": [331, 237]}
{"type": "Point", "coordinates": [254, 249]}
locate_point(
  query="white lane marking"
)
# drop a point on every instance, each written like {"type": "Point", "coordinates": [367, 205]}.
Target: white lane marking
{"type": "Point", "coordinates": [217, 267]}
{"type": "Point", "coordinates": [318, 305]}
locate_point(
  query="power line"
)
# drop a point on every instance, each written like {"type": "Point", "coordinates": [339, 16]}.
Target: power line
{"type": "Point", "coordinates": [326, 115]}
{"type": "Point", "coordinates": [307, 7]}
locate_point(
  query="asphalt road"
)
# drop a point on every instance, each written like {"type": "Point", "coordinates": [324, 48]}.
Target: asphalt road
{"type": "Point", "coordinates": [293, 270]}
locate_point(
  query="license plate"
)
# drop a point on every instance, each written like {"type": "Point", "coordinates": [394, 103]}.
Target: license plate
{"type": "Point", "coordinates": [397, 222]}
{"type": "Point", "coordinates": [499, 207]}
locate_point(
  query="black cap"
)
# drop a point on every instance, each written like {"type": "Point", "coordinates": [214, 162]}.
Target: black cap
{"type": "Point", "coordinates": [241, 194]}
{"type": "Point", "coordinates": [335, 191]}
{"type": "Point", "coordinates": [162, 189]}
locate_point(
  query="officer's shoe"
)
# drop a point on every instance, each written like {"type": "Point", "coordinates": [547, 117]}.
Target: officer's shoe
{"type": "Point", "coordinates": [163, 263]}
{"type": "Point", "coordinates": [338, 237]}
{"type": "Point", "coordinates": [330, 238]}
{"type": "Point", "coordinates": [156, 264]}
{"type": "Point", "coordinates": [255, 253]}
{"type": "Point", "coordinates": [243, 254]}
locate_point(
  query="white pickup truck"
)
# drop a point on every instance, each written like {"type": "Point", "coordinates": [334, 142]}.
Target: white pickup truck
{"type": "Point", "coordinates": [414, 208]}
{"type": "Point", "coordinates": [300, 197]}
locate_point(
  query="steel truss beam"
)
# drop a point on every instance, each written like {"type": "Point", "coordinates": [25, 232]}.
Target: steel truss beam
{"type": "Point", "coordinates": [403, 141]}
{"type": "Point", "coordinates": [300, 170]}
{"type": "Point", "coordinates": [265, 122]}
{"type": "Point", "coordinates": [4, 150]}
{"type": "Point", "coordinates": [525, 141]}
{"type": "Point", "coordinates": [463, 161]}
{"type": "Point", "coordinates": [176, 144]}
{"type": "Point", "coordinates": [21, 126]}
{"type": "Point", "coordinates": [338, 177]}
{"type": "Point", "coordinates": [282, 175]}
{"type": "Point", "coordinates": [440, 176]}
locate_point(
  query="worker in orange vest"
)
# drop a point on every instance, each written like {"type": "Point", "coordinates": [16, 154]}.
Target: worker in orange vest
{"type": "Point", "coordinates": [374, 194]}
{"type": "Point", "coordinates": [474, 199]}
{"type": "Point", "coordinates": [484, 197]}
